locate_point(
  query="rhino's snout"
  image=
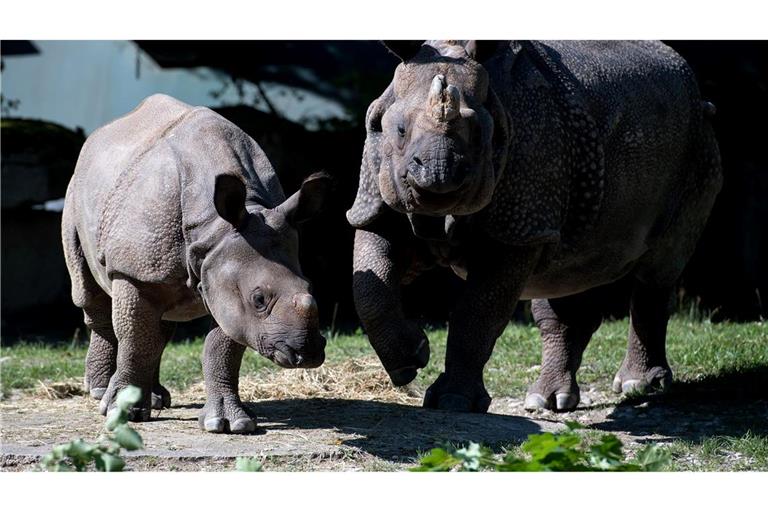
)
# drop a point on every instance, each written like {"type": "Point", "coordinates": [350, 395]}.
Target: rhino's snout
{"type": "Point", "coordinates": [310, 354]}
{"type": "Point", "coordinates": [436, 176]}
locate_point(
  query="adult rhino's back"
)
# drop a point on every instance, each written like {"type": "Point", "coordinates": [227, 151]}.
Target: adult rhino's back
{"type": "Point", "coordinates": [655, 143]}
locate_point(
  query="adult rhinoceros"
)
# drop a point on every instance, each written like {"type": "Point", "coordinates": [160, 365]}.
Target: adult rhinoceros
{"type": "Point", "coordinates": [539, 170]}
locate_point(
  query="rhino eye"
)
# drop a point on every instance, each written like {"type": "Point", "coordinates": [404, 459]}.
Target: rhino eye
{"type": "Point", "coordinates": [258, 300]}
{"type": "Point", "coordinates": [401, 130]}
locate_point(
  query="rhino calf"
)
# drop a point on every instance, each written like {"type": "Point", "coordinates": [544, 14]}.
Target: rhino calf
{"type": "Point", "coordinates": [540, 170]}
{"type": "Point", "coordinates": [172, 213]}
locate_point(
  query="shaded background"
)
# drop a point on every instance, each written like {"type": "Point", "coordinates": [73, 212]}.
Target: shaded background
{"type": "Point", "coordinates": [304, 103]}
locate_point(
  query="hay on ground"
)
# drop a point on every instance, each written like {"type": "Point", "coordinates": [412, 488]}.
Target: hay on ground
{"type": "Point", "coordinates": [355, 379]}
{"type": "Point", "coordinates": [58, 390]}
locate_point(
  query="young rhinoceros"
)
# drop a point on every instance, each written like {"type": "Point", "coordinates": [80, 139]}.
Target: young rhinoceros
{"type": "Point", "coordinates": [172, 213]}
{"type": "Point", "coordinates": [539, 170]}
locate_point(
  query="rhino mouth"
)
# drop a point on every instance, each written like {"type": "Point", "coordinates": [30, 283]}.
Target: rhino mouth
{"type": "Point", "coordinates": [418, 192]}
{"type": "Point", "coordinates": [419, 200]}
{"type": "Point", "coordinates": [287, 356]}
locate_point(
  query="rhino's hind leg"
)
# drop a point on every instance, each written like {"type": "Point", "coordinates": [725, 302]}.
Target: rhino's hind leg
{"type": "Point", "coordinates": [645, 366]}
{"type": "Point", "coordinates": [101, 360]}
{"type": "Point", "coordinates": [161, 397]}
{"type": "Point", "coordinates": [223, 410]}
{"type": "Point", "coordinates": [566, 325]}
{"type": "Point", "coordinates": [141, 339]}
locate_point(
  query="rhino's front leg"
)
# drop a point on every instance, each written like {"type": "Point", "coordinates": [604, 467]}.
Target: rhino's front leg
{"type": "Point", "coordinates": [223, 410]}
{"type": "Point", "coordinates": [496, 277]}
{"type": "Point", "coordinates": [401, 345]}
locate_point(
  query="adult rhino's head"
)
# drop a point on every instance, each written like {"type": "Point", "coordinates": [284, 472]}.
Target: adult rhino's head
{"type": "Point", "coordinates": [251, 281]}
{"type": "Point", "coordinates": [437, 136]}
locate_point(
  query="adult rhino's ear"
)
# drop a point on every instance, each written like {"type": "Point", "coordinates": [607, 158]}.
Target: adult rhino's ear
{"type": "Point", "coordinates": [403, 50]}
{"type": "Point", "coordinates": [229, 199]}
{"type": "Point", "coordinates": [481, 50]}
{"type": "Point", "coordinates": [309, 200]}
{"type": "Point", "coordinates": [368, 203]}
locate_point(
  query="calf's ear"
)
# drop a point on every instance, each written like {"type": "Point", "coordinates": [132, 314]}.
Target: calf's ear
{"type": "Point", "coordinates": [229, 199]}
{"type": "Point", "coordinates": [309, 200]}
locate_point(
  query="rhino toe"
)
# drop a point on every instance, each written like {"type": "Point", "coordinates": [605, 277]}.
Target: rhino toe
{"type": "Point", "coordinates": [554, 394]}
{"type": "Point", "coordinates": [225, 414]}
{"type": "Point", "coordinates": [535, 402]}
{"type": "Point", "coordinates": [216, 425]}
{"type": "Point", "coordinates": [97, 393]}
{"type": "Point", "coordinates": [242, 426]}
{"type": "Point", "coordinates": [655, 380]}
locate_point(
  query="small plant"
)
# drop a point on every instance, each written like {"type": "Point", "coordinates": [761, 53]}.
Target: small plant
{"type": "Point", "coordinates": [565, 451]}
{"type": "Point", "coordinates": [247, 464]}
{"type": "Point", "coordinates": [78, 455]}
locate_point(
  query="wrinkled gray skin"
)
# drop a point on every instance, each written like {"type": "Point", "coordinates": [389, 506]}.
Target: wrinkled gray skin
{"type": "Point", "coordinates": [174, 212]}
{"type": "Point", "coordinates": [541, 170]}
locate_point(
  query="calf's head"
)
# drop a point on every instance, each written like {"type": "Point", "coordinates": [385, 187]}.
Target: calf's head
{"type": "Point", "coordinates": [437, 137]}
{"type": "Point", "coordinates": [251, 281]}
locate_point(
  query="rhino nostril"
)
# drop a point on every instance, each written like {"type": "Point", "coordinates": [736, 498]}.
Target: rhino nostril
{"type": "Point", "coordinates": [417, 161]}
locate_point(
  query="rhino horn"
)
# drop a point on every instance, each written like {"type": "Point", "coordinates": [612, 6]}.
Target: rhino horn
{"type": "Point", "coordinates": [443, 100]}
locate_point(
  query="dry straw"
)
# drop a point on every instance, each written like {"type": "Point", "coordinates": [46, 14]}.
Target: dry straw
{"type": "Point", "coordinates": [355, 379]}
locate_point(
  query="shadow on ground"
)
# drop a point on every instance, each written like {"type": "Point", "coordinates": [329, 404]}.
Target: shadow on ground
{"type": "Point", "coordinates": [730, 404]}
{"type": "Point", "coordinates": [390, 431]}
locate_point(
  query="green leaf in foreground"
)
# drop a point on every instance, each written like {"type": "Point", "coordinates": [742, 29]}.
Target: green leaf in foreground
{"type": "Point", "coordinates": [128, 397]}
{"type": "Point", "coordinates": [565, 451]}
{"type": "Point", "coordinates": [127, 438]}
{"type": "Point", "coordinates": [115, 417]}
{"type": "Point", "coordinates": [78, 455]}
{"type": "Point", "coordinates": [109, 463]}
{"type": "Point", "coordinates": [653, 458]}
{"type": "Point", "coordinates": [250, 464]}
{"type": "Point", "coordinates": [438, 459]}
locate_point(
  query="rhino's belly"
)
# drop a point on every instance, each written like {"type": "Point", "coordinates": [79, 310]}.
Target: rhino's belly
{"type": "Point", "coordinates": [580, 272]}
{"type": "Point", "coordinates": [186, 310]}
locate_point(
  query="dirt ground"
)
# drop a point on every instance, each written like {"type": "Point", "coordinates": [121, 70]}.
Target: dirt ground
{"type": "Point", "coordinates": [315, 421]}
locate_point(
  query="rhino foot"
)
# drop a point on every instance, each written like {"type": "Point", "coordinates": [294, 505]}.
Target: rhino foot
{"type": "Point", "coordinates": [457, 396]}
{"type": "Point", "coordinates": [657, 379]}
{"type": "Point", "coordinates": [226, 414]}
{"type": "Point", "coordinates": [547, 395]}
{"type": "Point", "coordinates": [161, 397]}
{"type": "Point", "coordinates": [142, 411]}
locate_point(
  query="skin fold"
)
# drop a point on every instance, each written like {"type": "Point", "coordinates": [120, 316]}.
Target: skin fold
{"type": "Point", "coordinates": [174, 213]}
{"type": "Point", "coordinates": [541, 170]}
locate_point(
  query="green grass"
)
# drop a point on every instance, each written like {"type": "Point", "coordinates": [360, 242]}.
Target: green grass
{"type": "Point", "coordinates": [748, 452]}
{"type": "Point", "coordinates": [697, 351]}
